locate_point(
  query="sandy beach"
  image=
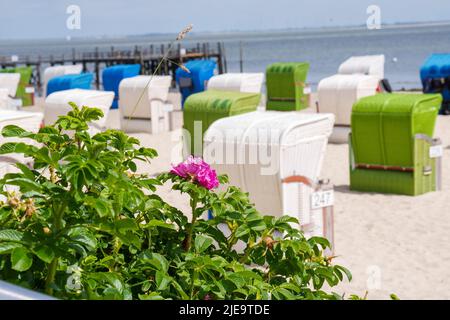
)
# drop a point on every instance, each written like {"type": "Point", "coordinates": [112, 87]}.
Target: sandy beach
{"type": "Point", "coordinates": [391, 244]}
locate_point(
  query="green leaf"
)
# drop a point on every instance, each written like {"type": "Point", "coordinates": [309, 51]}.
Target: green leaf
{"type": "Point", "coordinates": [83, 236]}
{"type": "Point", "coordinates": [150, 296]}
{"type": "Point", "coordinates": [242, 230]}
{"type": "Point", "coordinates": [159, 223]}
{"type": "Point", "coordinates": [162, 280]}
{"type": "Point", "coordinates": [7, 247]}
{"type": "Point", "coordinates": [45, 253]}
{"type": "Point", "coordinates": [156, 260]}
{"type": "Point", "coordinates": [21, 259]}
{"type": "Point", "coordinates": [14, 147]}
{"type": "Point", "coordinates": [11, 235]}
{"type": "Point", "coordinates": [15, 131]}
{"type": "Point", "coordinates": [202, 242]}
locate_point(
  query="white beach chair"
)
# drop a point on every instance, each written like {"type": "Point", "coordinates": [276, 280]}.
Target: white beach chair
{"type": "Point", "coordinates": [276, 157]}
{"type": "Point", "coordinates": [372, 65]}
{"type": "Point", "coordinates": [30, 121]}
{"type": "Point", "coordinates": [8, 88]}
{"type": "Point", "coordinates": [338, 93]}
{"type": "Point", "coordinates": [135, 114]}
{"type": "Point", "coordinates": [57, 104]}
{"type": "Point", "coordinates": [55, 71]}
{"type": "Point", "coordinates": [242, 82]}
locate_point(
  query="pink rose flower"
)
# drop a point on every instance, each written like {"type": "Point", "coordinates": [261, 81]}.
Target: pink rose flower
{"type": "Point", "coordinates": [197, 170]}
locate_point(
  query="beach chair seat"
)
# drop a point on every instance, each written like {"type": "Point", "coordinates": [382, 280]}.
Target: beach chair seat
{"type": "Point", "coordinates": [435, 77]}
{"type": "Point", "coordinates": [195, 78]}
{"type": "Point", "coordinates": [372, 65]}
{"type": "Point", "coordinates": [240, 82]}
{"type": "Point", "coordinates": [145, 110]}
{"type": "Point", "coordinates": [277, 158]}
{"type": "Point", "coordinates": [285, 84]}
{"type": "Point", "coordinates": [57, 104]}
{"type": "Point", "coordinates": [202, 109]}
{"type": "Point", "coordinates": [338, 93]}
{"type": "Point", "coordinates": [56, 71]}
{"type": "Point", "coordinates": [22, 91]}
{"type": "Point", "coordinates": [112, 76]}
{"type": "Point", "coordinates": [392, 149]}
{"type": "Point", "coordinates": [70, 81]}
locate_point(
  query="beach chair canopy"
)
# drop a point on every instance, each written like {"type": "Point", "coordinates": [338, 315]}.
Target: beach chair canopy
{"type": "Point", "coordinates": [131, 104]}
{"type": "Point", "coordinates": [285, 83]}
{"type": "Point", "coordinates": [338, 93]}
{"type": "Point", "coordinates": [56, 71]}
{"type": "Point", "coordinates": [384, 127]}
{"type": "Point", "coordinates": [25, 77]}
{"type": "Point", "coordinates": [435, 75]}
{"type": "Point", "coordinates": [241, 82]}
{"type": "Point", "coordinates": [200, 71]}
{"type": "Point", "coordinates": [10, 82]}
{"type": "Point", "coordinates": [57, 104]}
{"type": "Point", "coordinates": [209, 106]}
{"type": "Point", "coordinates": [369, 65]}
{"type": "Point", "coordinates": [112, 76]}
{"type": "Point", "coordinates": [70, 81]}
{"type": "Point", "coordinates": [29, 121]}
{"type": "Point", "coordinates": [257, 150]}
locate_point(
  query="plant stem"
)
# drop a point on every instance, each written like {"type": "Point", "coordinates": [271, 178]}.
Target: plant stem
{"type": "Point", "coordinates": [194, 276]}
{"type": "Point", "coordinates": [188, 239]}
{"type": "Point", "coordinates": [51, 276]}
{"type": "Point", "coordinates": [53, 265]}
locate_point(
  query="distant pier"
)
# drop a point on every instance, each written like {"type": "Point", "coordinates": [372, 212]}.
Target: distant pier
{"type": "Point", "coordinates": [148, 57]}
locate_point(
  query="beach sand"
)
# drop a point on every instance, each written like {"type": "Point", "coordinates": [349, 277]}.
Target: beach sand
{"type": "Point", "coordinates": [391, 244]}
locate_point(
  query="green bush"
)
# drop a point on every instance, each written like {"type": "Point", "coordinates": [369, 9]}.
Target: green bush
{"type": "Point", "coordinates": [83, 225]}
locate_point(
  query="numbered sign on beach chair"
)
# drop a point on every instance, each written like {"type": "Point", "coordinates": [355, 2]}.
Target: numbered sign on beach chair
{"type": "Point", "coordinates": [285, 84]}
{"type": "Point", "coordinates": [338, 93]}
{"type": "Point", "coordinates": [392, 149]}
{"type": "Point", "coordinates": [277, 157]}
{"type": "Point", "coordinates": [57, 104]}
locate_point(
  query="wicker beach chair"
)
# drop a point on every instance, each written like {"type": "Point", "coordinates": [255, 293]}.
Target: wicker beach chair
{"type": "Point", "coordinates": [145, 111]}
{"type": "Point", "coordinates": [372, 65]}
{"type": "Point", "coordinates": [30, 121]}
{"type": "Point", "coordinates": [56, 71]}
{"type": "Point", "coordinates": [57, 104]}
{"type": "Point", "coordinates": [338, 93]}
{"type": "Point", "coordinates": [276, 157]}
{"type": "Point", "coordinates": [392, 149]}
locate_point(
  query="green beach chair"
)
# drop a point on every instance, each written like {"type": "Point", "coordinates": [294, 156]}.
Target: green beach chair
{"type": "Point", "coordinates": [25, 77]}
{"type": "Point", "coordinates": [285, 83]}
{"type": "Point", "coordinates": [391, 145]}
{"type": "Point", "coordinates": [206, 107]}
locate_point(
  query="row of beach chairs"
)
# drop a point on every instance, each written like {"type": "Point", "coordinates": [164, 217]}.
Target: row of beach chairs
{"type": "Point", "coordinates": [392, 149]}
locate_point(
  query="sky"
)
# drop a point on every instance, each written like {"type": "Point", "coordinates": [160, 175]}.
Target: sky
{"type": "Point", "coordinates": [34, 19]}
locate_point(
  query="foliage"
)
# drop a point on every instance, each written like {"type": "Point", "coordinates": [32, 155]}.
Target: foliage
{"type": "Point", "coordinates": [82, 224]}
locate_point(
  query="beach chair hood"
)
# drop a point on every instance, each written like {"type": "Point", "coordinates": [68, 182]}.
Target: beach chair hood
{"type": "Point", "coordinates": [338, 93]}
{"type": "Point", "coordinates": [369, 65]}
{"type": "Point", "coordinates": [285, 84]}
{"type": "Point", "coordinates": [241, 82]}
